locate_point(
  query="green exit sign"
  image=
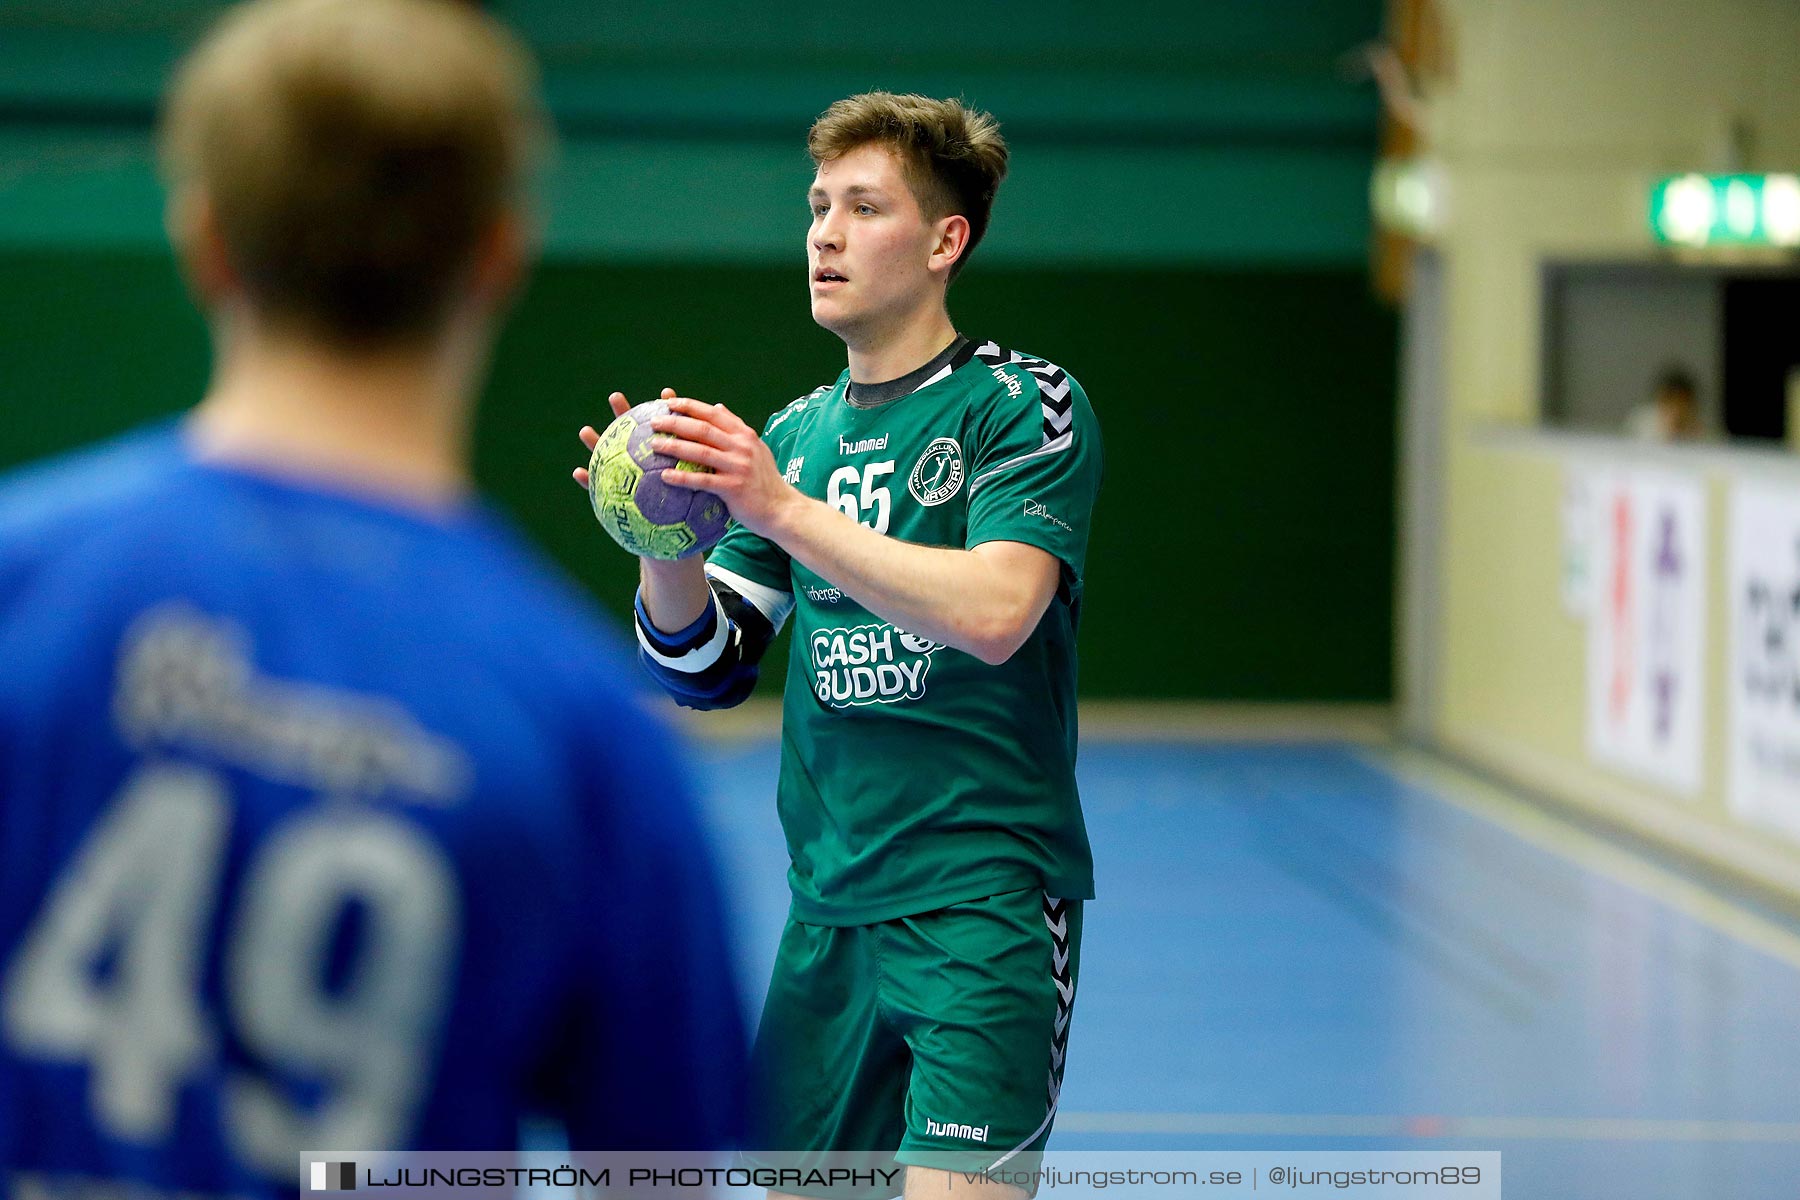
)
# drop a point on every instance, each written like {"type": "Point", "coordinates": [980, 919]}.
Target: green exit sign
{"type": "Point", "coordinates": [1726, 210]}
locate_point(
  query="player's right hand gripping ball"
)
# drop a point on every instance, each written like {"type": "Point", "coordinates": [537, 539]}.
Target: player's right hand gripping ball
{"type": "Point", "coordinates": [645, 515]}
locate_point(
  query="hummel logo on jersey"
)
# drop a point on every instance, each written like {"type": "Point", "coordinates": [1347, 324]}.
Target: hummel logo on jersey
{"type": "Point", "coordinates": [863, 447]}
{"type": "Point", "coordinates": [974, 1133]}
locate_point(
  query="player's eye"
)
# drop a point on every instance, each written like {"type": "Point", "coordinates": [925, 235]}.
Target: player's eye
{"type": "Point", "coordinates": [865, 208]}
{"type": "Point", "coordinates": [818, 210]}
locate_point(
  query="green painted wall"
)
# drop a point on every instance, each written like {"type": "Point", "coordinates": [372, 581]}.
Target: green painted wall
{"type": "Point", "coordinates": [1163, 70]}
{"type": "Point", "coordinates": [1243, 547]}
{"type": "Point", "coordinates": [1151, 134]}
{"type": "Point", "coordinates": [653, 201]}
{"type": "Point", "coordinates": [1185, 229]}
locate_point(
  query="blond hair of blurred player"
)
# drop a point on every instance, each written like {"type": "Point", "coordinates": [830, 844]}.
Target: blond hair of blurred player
{"type": "Point", "coordinates": [923, 520]}
{"type": "Point", "coordinates": [329, 816]}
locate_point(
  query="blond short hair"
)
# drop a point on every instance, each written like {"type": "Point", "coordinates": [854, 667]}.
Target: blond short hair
{"type": "Point", "coordinates": [355, 153]}
{"type": "Point", "coordinates": [954, 157]}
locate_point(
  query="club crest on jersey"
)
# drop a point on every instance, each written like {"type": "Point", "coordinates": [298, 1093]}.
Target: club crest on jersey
{"type": "Point", "coordinates": [870, 664]}
{"type": "Point", "coordinates": [938, 475]}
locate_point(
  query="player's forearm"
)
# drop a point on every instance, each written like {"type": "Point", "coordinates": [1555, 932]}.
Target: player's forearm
{"type": "Point", "coordinates": [951, 596]}
{"type": "Point", "coordinates": [675, 592]}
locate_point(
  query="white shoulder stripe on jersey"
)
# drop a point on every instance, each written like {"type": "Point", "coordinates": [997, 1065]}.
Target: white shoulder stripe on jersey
{"type": "Point", "coordinates": [1055, 446]}
{"type": "Point", "coordinates": [942, 374]}
{"type": "Point", "coordinates": [770, 602]}
{"type": "Point", "coordinates": [700, 657]}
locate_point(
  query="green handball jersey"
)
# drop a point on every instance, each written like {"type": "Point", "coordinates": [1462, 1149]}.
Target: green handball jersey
{"type": "Point", "coordinates": [914, 775]}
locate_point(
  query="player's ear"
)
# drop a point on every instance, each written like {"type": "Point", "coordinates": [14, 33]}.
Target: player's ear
{"type": "Point", "coordinates": [193, 228]}
{"type": "Point", "coordinates": [501, 259]}
{"type": "Point", "coordinates": [952, 242]}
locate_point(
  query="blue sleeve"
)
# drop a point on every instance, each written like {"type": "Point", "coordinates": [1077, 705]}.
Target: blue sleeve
{"type": "Point", "coordinates": [656, 1056]}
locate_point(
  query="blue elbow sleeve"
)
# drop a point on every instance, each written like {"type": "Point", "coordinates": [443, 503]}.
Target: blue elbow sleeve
{"type": "Point", "coordinates": [702, 666]}
{"type": "Point", "coordinates": [706, 690]}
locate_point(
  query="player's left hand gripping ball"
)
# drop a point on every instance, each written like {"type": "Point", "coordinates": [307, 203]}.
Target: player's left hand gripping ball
{"type": "Point", "coordinates": [645, 515]}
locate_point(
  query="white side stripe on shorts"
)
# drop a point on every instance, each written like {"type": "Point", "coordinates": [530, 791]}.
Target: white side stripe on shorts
{"type": "Point", "coordinates": [1056, 917]}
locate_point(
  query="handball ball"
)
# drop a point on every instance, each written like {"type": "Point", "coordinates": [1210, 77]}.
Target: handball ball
{"type": "Point", "coordinates": [645, 515]}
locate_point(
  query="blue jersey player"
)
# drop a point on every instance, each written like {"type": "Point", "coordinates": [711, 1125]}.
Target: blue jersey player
{"type": "Point", "coordinates": [329, 817]}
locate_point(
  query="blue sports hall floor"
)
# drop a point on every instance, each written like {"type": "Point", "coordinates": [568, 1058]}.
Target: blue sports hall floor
{"type": "Point", "coordinates": [1335, 946]}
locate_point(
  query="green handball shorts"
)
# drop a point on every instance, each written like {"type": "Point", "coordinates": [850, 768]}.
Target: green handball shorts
{"type": "Point", "coordinates": [933, 1040]}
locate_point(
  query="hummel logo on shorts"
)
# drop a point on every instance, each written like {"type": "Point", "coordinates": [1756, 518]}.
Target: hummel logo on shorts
{"type": "Point", "coordinates": [975, 1133]}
